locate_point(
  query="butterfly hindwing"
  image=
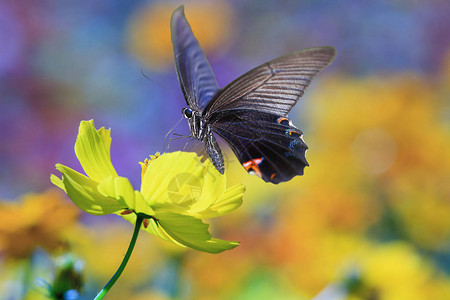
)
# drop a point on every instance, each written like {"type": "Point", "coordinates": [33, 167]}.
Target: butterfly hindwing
{"type": "Point", "coordinates": [250, 113]}
{"type": "Point", "coordinates": [265, 144]}
{"type": "Point", "coordinates": [194, 73]}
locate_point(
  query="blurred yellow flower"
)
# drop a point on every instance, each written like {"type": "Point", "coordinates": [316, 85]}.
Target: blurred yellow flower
{"type": "Point", "coordinates": [385, 141]}
{"type": "Point", "coordinates": [395, 271]}
{"type": "Point", "coordinates": [36, 220]}
{"type": "Point", "coordinates": [399, 116]}
{"type": "Point", "coordinates": [215, 278]}
{"type": "Point", "coordinates": [423, 207]}
{"type": "Point", "coordinates": [149, 31]}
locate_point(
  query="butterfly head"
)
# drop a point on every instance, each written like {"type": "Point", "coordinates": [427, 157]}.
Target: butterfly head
{"type": "Point", "coordinates": [196, 122]}
{"type": "Point", "coordinates": [187, 113]}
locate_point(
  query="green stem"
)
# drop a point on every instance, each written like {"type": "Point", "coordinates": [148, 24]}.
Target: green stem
{"type": "Point", "coordinates": [119, 271]}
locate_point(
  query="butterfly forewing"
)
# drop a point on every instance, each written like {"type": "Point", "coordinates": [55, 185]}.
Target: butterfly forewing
{"type": "Point", "coordinates": [194, 73]}
{"type": "Point", "coordinates": [275, 86]}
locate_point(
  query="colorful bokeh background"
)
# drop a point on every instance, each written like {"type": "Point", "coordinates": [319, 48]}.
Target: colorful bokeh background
{"type": "Point", "coordinates": [370, 219]}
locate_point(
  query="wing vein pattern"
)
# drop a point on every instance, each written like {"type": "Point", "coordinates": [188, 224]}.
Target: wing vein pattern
{"type": "Point", "coordinates": [275, 86]}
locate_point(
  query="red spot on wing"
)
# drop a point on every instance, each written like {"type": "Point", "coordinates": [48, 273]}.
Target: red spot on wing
{"type": "Point", "coordinates": [252, 165]}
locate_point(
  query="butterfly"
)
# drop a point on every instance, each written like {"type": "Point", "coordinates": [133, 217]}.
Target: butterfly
{"type": "Point", "coordinates": [250, 113]}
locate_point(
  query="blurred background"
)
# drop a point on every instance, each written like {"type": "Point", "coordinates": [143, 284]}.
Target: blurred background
{"type": "Point", "coordinates": [370, 219]}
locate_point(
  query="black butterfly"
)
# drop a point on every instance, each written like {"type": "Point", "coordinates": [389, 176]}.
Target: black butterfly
{"type": "Point", "coordinates": [251, 112]}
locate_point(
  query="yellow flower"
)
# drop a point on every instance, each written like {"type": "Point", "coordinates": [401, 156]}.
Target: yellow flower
{"type": "Point", "coordinates": [37, 220]}
{"type": "Point", "coordinates": [396, 271]}
{"type": "Point", "coordinates": [177, 191]}
{"type": "Point", "coordinates": [384, 139]}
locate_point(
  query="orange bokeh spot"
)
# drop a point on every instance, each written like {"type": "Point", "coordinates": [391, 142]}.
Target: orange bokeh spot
{"type": "Point", "coordinates": [149, 30]}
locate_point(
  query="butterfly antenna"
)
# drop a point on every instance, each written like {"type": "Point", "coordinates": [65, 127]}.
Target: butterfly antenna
{"type": "Point", "coordinates": [164, 141]}
{"type": "Point", "coordinates": [181, 135]}
{"type": "Point", "coordinates": [160, 85]}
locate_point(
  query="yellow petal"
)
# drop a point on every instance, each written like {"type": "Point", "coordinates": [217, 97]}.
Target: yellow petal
{"type": "Point", "coordinates": [83, 192]}
{"type": "Point", "coordinates": [57, 181]}
{"type": "Point", "coordinates": [213, 188]}
{"type": "Point", "coordinates": [141, 206]}
{"type": "Point", "coordinates": [174, 180]}
{"type": "Point", "coordinates": [105, 135]}
{"type": "Point", "coordinates": [92, 150]}
{"type": "Point", "coordinates": [158, 230]}
{"type": "Point", "coordinates": [153, 227]}
{"type": "Point", "coordinates": [120, 188]}
{"type": "Point", "coordinates": [192, 232]}
{"type": "Point", "coordinates": [217, 245]}
{"type": "Point", "coordinates": [229, 201]}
